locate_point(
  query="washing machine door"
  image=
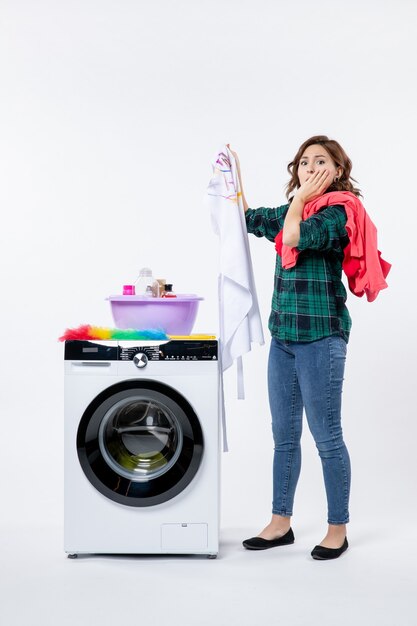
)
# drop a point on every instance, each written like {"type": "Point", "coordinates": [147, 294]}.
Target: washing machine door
{"type": "Point", "coordinates": [140, 443]}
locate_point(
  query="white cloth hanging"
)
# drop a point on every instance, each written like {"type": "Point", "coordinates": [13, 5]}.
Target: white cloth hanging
{"type": "Point", "coordinates": [239, 317]}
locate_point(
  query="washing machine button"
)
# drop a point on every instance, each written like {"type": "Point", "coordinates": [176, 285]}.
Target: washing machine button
{"type": "Point", "coordinates": [140, 360]}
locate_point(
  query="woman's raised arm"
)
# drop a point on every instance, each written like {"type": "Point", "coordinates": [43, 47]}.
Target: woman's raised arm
{"type": "Point", "coordinates": [245, 204]}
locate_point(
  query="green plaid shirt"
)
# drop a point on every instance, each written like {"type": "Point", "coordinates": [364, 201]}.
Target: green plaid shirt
{"type": "Point", "coordinates": [308, 302]}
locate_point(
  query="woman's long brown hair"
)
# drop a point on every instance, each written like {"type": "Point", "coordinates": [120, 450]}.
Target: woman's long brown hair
{"type": "Point", "coordinates": [339, 157]}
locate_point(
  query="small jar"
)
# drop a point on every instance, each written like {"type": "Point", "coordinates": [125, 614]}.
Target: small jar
{"type": "Point", "coordinates": [168, 293]}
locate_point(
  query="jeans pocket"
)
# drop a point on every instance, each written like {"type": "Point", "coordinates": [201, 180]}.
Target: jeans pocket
{"type": "Point", "coordinates": [338, 346]}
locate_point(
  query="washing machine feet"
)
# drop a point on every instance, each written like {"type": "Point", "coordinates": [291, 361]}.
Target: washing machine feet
{"type": "Point", "coordinates": [72, 556]}
{"type": "Point", "coordinates": [212, 556]}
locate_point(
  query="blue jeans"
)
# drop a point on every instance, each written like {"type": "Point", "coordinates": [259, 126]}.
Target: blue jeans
{"type": "Point", "coordinates": [309, 375]}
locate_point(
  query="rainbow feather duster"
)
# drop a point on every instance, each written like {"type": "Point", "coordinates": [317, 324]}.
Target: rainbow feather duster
{"type": "Point", "coordinates": [86, 332]}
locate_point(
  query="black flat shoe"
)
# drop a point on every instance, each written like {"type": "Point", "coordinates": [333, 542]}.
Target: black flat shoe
{"type": "Point", "coordinates": [257, 543]}
{"type": "Point", "coordinates": [322, 554]}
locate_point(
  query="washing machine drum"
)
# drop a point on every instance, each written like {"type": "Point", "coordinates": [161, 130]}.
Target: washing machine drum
{"type": "Point", "coordinates": [140, 443]}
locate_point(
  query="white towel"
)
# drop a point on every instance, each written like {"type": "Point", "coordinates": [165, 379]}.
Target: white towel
{"type": "Point", "coordinates": [239, 317]}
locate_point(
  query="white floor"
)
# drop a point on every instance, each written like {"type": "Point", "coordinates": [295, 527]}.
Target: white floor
{"type": "Point", "coordinates": [373, 583]}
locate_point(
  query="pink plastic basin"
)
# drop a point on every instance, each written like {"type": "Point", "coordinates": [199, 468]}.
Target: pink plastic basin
{"type": "Point", "coordinates": [175, 316]}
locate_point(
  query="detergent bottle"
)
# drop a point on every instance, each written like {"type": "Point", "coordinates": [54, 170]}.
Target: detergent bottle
{"type": "Point", "coordinates": [143, 281]}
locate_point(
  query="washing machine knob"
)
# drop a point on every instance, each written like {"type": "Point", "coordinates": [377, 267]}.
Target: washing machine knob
{"type": "Point", "coordinates": [140, 360]}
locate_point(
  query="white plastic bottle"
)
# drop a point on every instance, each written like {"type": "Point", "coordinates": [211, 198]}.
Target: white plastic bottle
{"type": "Point", "coordinates": [144, 280]}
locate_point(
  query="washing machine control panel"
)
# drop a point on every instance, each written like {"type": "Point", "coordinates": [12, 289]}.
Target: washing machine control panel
{"type": "Point", "coordinates": [175, 350]}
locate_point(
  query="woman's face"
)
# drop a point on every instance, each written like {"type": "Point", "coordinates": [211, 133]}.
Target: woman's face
{"type": "Point", "coordinates": [315, 158]}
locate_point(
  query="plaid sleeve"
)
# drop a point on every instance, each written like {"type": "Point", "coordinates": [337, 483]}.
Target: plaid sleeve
{"type": "Point", "coordinates": [323, 230]}
{"type": "Point", "coordinates": [264, 222]}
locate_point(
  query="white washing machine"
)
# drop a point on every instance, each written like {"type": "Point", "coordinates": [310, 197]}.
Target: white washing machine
{"type": "Point", "coordinates": [142, 447]}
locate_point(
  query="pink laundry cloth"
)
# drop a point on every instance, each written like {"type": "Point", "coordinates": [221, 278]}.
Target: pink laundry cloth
{"type": "Point", "coordinates": [363, 265]}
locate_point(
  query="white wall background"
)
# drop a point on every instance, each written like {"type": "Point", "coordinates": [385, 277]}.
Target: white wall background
{"type": "Point", "coordinates": [110, 114]}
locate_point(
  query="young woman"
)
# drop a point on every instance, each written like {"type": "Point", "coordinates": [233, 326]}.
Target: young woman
{"type": "Point", "coordinates": [310, 328]}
